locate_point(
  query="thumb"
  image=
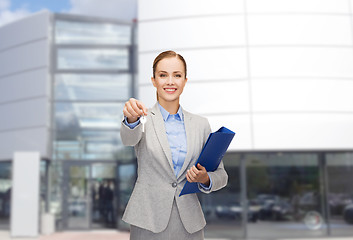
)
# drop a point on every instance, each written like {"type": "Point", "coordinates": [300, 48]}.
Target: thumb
{"type": "Point", "coordinates": [200, 166]}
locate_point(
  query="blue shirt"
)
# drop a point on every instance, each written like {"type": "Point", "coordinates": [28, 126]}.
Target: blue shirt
{"type": "Point", "coordinates": [175, 129]}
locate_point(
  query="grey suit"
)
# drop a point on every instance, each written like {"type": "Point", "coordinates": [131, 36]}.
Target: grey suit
{"type": "Point", "coordinates": [151, 201]}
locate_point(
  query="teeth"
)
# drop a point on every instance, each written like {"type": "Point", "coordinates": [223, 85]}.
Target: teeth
{"type": "Point", "coordinates": [169, 90]}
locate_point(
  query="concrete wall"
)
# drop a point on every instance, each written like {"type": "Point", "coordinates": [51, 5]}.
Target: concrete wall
{"type": "Point", "coordinates": [25, 86]}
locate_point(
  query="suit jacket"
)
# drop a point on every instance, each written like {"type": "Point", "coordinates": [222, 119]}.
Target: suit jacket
{"type": "Point", "coordinates": [156, 186]}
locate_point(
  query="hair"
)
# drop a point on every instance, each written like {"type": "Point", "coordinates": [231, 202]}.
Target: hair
{"type": "Point", "coordinates": [167, 54]}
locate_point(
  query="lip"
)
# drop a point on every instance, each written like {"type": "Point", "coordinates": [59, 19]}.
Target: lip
{"type": "Point", "coordinates": [170, 92]}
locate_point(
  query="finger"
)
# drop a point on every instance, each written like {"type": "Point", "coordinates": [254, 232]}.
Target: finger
{"type": "Point", "coordinates": [200, 167]}
{"type": "Point", "coordinates": [126, 113]}
{"type": "Point", "coordinates": [192, 173]}
{"type": "Point", "coordinates": [195, 170]}
{"type": "Point", "coordinates": [192, 178]}
{"type": "Point", "coordinates": [136, 108]}
{"type": "Point", "coordinates": [187, 177]}
{"type": "Point", "coordinates": [131, 110]}
{"type": "Point", "coordinates": [142, 106]}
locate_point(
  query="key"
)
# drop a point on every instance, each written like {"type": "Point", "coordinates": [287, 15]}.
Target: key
{"type": "Point", "coordinates": [143, 120]}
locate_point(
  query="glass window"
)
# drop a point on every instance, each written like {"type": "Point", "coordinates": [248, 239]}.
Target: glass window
{"type": "Point", "coordinates": [222, 209]}
{"type": "Point", "coordinates": [340, 193]}
{"type": "Point", "coordinates": [126, 181]}
{"type": "Point", "coordinates": [5, 194]}
{"type": "Point", "coordinates": [91, 145]}
{"type": "Point", "coordinates": [285, 187]}
{"type": "Point", "coordinates": [107, 59]}
{"type": "Point", "coordinates": [56, 191]}
{"type": "Point", "coordinates": [69, 32]}
{"type": "Point", "coordinates": [74, 117]}
{"type": "Point", "coordinates": [92, 86]}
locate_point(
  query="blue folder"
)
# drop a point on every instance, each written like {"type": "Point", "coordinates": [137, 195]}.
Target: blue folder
{"type": "Point", "coordinates": [211, 155]}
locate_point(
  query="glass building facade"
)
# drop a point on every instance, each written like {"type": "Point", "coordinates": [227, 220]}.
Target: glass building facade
{"type": "Point", "coordinates": [274, 195]}
{"type": "Point", "coordinates": [93, 76]}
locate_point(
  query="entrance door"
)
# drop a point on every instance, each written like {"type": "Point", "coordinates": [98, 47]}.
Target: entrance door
{"type": "Point", "coordinates": [89, 195]}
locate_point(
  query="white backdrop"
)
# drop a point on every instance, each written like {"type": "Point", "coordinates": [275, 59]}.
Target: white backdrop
{"type": "Point", "coordinates": [277, 72]}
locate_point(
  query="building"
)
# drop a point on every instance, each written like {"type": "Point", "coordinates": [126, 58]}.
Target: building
{"type": "Point", "coordinates": [64, 80]}
{"type": "Point", "coordinates": [279, 74]}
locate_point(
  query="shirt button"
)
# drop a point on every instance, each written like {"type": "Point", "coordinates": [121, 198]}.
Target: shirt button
{"type": "Point", "coordinates": [174, 184]}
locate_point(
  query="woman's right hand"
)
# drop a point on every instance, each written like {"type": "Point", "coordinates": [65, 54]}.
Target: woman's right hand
{"type": "Point", "coordinates": [133, 109]}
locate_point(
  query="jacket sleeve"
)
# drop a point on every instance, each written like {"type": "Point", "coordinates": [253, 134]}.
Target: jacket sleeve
{"type": "Point", "coordinates": [130, 137]}
{"type": "Point", "coordinates": [219, 176]}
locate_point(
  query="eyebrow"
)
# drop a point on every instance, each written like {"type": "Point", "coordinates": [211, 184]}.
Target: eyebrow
{"type": "Point", "coordinates": [174, 72]}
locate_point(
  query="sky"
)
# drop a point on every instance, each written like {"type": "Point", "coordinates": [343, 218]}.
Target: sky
{"type": "Point", "coordinates": [12, 10]}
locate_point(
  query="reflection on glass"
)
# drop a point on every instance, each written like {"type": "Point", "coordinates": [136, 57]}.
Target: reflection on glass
{"type": "Point", "coordinates": [75, 117]}
{"type": "Point", "coordinates": [103, 196]}
{"type": "Point", "coordinates": [78, 202]}
{"type": "Point", "coordinates": [68, 32]}
{"type": "Point", "coordinates": [56, 191]}
{"type": "Point", "coordinates": [285, 189]}
{"type": "Point", "coordinates": [92, 87]}
{"type": "Point", "coordinates": [127, 178]}
{"type": "Point", "coordinates": [222, 209]}
{"type": "Point", "coordinates": [91, 145]}
{"type": "Point", "coordinates": [5, 194]}
{"type": "Point", "coordinates": [103, 171]}
{"type": "Point", "coordinates": [340, 196]}
{"type": "Point", "coordinates": [110, 59]}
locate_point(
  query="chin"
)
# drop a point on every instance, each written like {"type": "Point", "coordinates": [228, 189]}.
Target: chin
{"type": "Point", "coordinates": [170, 98]}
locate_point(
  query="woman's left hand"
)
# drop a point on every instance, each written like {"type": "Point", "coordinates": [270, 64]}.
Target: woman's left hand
{"type": "Point", "coordinates": [198, 175]}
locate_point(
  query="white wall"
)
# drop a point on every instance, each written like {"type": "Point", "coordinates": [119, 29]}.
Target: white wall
{"type": "Point", "coordinates": [25, 86]}
{"type": "Point", "coordinates": [25, 194]}
{"type": "Point", "coordinates": [277, 72]}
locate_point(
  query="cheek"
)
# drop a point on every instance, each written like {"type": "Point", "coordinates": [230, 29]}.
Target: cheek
{"type": "Point", "coordinates": [158, 84]}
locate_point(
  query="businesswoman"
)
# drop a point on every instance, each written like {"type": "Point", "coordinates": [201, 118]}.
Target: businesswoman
{"type": "Point", "coordinates": [167, 147]}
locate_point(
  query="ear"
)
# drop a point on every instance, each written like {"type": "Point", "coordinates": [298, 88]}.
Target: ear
{"type": "Point", "coordinates": [153, 81]}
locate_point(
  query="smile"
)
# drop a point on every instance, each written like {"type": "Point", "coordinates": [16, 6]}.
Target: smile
{"type": "Point", "coordinates": [170, 90]}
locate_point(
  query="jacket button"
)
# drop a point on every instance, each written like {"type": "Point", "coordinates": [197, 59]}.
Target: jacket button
{"type": "Point", "coordinates": [174, 184]}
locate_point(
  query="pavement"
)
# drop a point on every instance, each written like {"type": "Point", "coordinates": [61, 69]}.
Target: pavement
{"type": "Point", "coordinates": [116, 235]}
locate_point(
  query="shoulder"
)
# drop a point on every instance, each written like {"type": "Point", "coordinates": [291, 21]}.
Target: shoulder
{"type": "Point", "coordinates": [201, 120]}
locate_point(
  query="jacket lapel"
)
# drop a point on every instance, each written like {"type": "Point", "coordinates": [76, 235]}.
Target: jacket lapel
{"type": "Point", "coordinates": [190, 139]}
{"type": "Point", "coordinates": [159, 127]}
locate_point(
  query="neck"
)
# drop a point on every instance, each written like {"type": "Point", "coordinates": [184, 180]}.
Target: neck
{"type": "Point", "coordinates": [171, 107]}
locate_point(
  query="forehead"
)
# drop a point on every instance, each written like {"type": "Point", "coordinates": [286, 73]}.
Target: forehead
{"type": "Point", "coordinates": [170, 65]}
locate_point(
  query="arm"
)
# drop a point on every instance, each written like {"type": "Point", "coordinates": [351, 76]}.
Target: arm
{"type": "Point", "coordinates": [219, 179]}
{"type": "Point", "coordinates": [131, 130]}
{"type": "Point", "coordinates": [130, 133]}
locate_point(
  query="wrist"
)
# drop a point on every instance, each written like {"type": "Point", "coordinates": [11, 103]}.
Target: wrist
{"type": "Point", "coordinates": [207, 181]}
{"type": "Point", "coordinates": [131, 119]}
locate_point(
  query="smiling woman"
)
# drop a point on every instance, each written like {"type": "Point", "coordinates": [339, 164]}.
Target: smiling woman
{"type": "Point", "coordinates": [167, 147]}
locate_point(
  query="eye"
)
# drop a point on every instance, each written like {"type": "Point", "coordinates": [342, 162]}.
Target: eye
{"type": "Point", "coordinates": [178, 75]}
{"type": "Point", "coordinates": [162, 75]}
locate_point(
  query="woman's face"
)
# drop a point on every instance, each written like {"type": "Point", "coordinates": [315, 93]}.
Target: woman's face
{"type": "Point", "coordinates": [169, 79]}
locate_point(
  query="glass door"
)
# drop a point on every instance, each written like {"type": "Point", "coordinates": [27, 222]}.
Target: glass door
{"type": "Point", "coordinates": [103, 196]}
{"type": "Point", "coordinates": [77, 202]}
{"type": "Point", "coordinates": [89, 195]}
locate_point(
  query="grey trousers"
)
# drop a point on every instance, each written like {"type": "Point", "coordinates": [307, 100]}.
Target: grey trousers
{"type": "Point", "coordinates": [174, 231]}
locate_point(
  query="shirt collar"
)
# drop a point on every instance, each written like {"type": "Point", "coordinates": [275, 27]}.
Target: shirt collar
{"type": "Point", "coordinates": [166, 114]}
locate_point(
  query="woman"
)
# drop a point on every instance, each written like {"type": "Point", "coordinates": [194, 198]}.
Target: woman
{"type": "Point", "coordinates": [167, 147]}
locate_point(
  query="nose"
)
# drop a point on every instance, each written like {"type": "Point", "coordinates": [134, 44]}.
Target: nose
{"type": "Point", "coordinates": [170, 80]}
